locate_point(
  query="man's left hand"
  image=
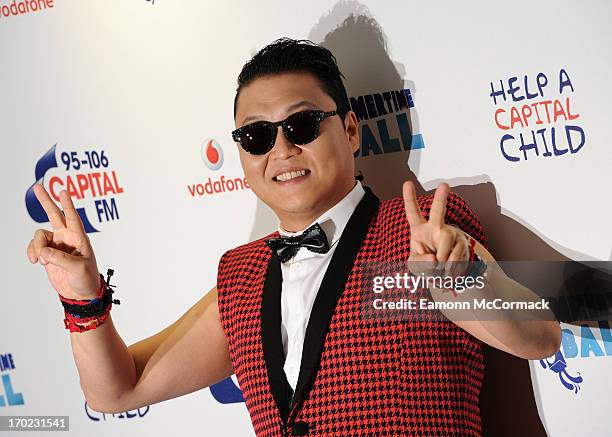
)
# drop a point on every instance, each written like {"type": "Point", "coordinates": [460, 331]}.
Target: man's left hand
{"type": "Point", "coordinates": [434, 243]}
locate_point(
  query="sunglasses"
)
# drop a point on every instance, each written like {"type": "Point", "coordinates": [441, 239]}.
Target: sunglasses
{"type": "Point", "coordinates": [299, 128]}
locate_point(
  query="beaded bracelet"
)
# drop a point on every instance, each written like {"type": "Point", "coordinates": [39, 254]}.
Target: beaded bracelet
{"type": "Point", "coordinates": [87, 314]}
{"type": "Point", "coordinates": [476, 265]}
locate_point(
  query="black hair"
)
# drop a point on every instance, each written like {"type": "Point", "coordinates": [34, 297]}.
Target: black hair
{"type": "Point", "coordinates": [290, 55]}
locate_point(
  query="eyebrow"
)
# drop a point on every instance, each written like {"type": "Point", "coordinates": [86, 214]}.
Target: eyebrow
{"type": "Point", "coordinates": [301, 103]}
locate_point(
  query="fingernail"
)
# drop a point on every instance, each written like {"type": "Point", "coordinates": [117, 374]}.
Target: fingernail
{"type": "Point", "coordinates": [45, 253]}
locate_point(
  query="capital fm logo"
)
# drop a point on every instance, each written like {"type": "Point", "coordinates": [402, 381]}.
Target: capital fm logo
{"type": "Point", "coordinates": [90, 180]}
{"type": "Point", "coordinates": [212, 156]}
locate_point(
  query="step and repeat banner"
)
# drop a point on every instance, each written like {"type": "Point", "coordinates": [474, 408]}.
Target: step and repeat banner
{"type": "Point", "coordinates": [128, 105]}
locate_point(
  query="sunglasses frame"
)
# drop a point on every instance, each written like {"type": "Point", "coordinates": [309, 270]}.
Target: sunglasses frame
{"type": "Point", "coordinates": [319, 116]}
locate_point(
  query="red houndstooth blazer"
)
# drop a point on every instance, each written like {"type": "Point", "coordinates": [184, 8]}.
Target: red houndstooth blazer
{"type": "Point", "coordinates": [358, 377]}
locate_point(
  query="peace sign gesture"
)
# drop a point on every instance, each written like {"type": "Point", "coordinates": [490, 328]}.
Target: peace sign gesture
{"type": "Point", "coordinates": [434, 241]}
{"type": "Point", "coordinates": [66, 253]}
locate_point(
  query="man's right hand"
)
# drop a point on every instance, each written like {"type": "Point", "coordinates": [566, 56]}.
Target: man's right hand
{"type": "Point", "coordinates": [66, 252]}
{"type": "Point", "coordinates": [186, 356]}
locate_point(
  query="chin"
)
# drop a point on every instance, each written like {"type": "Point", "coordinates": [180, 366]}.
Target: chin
{"type": "Point", "coordinates": [297, 206]}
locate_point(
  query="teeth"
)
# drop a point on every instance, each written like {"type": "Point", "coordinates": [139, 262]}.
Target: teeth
{"type": "Point", "coordinates": [290, 175]}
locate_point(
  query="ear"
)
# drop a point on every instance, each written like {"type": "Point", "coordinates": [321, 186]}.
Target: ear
{"type": "Point", "coordinates": [352, 130]}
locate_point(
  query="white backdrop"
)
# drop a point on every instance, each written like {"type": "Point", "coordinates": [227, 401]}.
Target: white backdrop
{"type": "Point", "coordinates": [149, 83]}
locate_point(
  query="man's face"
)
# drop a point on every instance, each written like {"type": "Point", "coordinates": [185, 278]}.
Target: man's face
{"type": "Point", "coordinates": [328, 160]}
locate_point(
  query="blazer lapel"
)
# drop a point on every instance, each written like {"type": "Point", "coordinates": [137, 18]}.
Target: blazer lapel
{"type": "Point", "coordinates": [272, 342]}
{"type": "Point", "coordinates": [327, 297]}
{"type": "Point", "coordinates": [330, 290]}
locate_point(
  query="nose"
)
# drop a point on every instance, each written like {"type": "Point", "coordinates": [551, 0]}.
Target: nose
{"type": "Point", "coordinates": [283, 148]}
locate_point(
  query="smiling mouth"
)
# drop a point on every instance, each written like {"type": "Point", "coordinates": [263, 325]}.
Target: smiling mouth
{"type": "Point", "coordinates": [290, 175]}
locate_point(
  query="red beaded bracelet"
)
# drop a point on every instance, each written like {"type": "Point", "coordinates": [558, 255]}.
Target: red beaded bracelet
{"type": "Point", "coordinates": [82, 324]}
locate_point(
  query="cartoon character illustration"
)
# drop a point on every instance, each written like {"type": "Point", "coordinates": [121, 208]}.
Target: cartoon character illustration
{"type": "Point", "coordinates": [559, 365]}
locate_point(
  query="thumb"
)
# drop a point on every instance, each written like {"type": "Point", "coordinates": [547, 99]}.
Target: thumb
{"type": "Point", "coordinates": [58, 258]}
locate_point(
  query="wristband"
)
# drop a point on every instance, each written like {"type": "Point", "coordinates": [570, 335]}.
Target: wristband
{"type": "Point", "coordinates": [476, 266]}
{"type": "Point", "coordinates": [86, 314]}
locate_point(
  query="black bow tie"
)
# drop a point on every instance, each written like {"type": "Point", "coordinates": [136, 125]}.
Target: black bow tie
{"type": "Point", "coordinates": [313, 239]}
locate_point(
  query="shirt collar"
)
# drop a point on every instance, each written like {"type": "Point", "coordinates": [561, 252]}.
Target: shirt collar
{"type": "Point", "coordinates": [335, 219]}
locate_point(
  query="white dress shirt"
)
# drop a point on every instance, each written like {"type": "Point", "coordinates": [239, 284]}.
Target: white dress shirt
{"type": "Point", "coordinates": [302, 277]}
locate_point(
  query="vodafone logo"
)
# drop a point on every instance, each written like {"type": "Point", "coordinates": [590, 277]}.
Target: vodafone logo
{"type": "Point", "coordinates": [24, 7]}
{"type": "Point", "coordinates": [212, 154]}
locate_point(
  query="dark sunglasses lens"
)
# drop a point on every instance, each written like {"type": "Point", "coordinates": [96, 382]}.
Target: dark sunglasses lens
{"type": "Point", "coordinates": [302, 128]}
{"type": "Point", "coordinates": [257, 138]}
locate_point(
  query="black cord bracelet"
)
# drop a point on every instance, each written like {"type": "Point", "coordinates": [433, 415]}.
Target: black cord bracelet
{"type": "Point", "coordinates": [96, 306]}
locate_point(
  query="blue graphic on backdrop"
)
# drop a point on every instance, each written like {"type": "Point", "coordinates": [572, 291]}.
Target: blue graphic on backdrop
{"type": "Point", "coordinates": [583, 345]}
{"type": "Point", "coordinates": [559, 366]}
{"type": "Point", "coordinates": [381, 106]}
{"type": "Point", "coordinates": [226, 392]}
{"type": "Point", "coordinates": [586, 345]}
{"type": "Point", "coordinates": [10, 396]}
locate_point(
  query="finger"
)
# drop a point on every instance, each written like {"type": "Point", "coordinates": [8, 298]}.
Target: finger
{"type": "Point", "coordinates": [413, 211]}
{"type": "Point", "coordinates": [73, 220]}
{"type": "Point", "coordinates": [417, 247]}
{"type": "Point", "coordinates": [30, 252]}
{"type": "Point", "coordinates": [426, 257]}
{"type": "Point", "coordinates": [459, 252]}
{"type": "Point", "coordinates": [56, 218]}
{"type": "Point", "coordinates": [421, 240]}
{"type": "Point", "coordinates": [446, 241]}
{"type": "Point", "coordinates": [457, 261]}
{"type": "Point", "coordinates": [422, 264]}
{"type": "Point", "coordinates": [41, 239]}
{"type": "Point", "coordinates": [67, 262]}
{"type": "Point", "coordinates": [438, 206]}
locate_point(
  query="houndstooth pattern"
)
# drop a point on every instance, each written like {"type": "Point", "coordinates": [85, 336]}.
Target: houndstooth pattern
{"type": "Point", "coordinates": [376, 378]}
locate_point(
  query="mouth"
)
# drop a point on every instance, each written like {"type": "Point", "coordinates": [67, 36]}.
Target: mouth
{"type": "Point", "coordinates": [291, 176]}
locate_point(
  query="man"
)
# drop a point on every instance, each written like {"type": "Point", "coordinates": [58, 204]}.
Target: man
{"type": "Point", "coordinates": [284, 315]}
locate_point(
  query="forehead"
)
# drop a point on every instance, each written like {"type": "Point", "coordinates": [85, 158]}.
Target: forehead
{"type": "Point", "coordinates": [269, 97]}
